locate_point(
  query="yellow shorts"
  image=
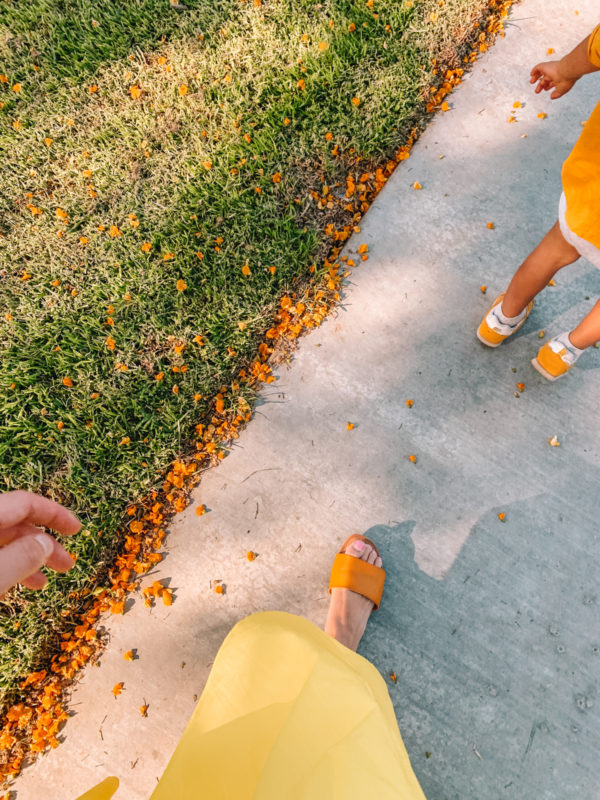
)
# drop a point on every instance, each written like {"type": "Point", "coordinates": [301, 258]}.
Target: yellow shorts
{"type": "Point", "coordinates": [583, 247]}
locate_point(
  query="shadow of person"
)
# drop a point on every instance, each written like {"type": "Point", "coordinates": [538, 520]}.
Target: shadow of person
{"type": "Point", "coordinates": [497, 665]}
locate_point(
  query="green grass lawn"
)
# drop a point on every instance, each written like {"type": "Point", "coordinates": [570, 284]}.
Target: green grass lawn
{"type": "Point", "coordinates": [139, 147]}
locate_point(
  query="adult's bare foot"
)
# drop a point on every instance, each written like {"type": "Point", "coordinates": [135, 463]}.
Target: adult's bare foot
{"type": "Point", "coordinates": [349, 612]}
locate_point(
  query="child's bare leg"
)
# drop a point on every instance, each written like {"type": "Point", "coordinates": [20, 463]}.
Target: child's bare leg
{"type": "Point", "coordinates": [588, 330]}
{"type": "Point", "coordinates": [552, 253]}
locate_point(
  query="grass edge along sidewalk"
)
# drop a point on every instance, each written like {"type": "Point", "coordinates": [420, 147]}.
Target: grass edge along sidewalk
{"type": "Point", "coordinates": [32, 723]}
{"type": "Point", "coordinates": [152, 214]}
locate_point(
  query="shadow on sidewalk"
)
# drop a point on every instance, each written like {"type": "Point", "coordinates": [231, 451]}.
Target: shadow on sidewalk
{"type": "Point", "coordinates": [497, 665]}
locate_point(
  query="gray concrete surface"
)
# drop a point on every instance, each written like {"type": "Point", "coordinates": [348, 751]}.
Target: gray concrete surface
{"type": "Point", "coordinates": [491, 627]}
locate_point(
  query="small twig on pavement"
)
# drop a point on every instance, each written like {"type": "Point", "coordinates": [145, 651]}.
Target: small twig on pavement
{"type": "Point", "coordinates": [266, 469]}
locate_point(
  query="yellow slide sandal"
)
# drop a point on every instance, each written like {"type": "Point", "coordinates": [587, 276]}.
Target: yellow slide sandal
{"type": "Point", "coordinates": [349, 572]}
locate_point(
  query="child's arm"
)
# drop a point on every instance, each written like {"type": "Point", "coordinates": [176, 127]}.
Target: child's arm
{"type": "Point", "coordinates": [562, 75]}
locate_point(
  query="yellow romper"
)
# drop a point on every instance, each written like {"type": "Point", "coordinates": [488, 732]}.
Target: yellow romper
{"type": "Point", "coordinates": [579, 208]}
{"type": "Point", "coordinates": [287, 713]}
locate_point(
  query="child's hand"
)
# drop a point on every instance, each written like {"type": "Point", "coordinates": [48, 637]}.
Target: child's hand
{"type": "Point", "coordinates": [550, 76]}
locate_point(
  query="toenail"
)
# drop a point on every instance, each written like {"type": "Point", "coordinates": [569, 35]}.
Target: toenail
{"type": "Point", "coordinates": [359, 544]}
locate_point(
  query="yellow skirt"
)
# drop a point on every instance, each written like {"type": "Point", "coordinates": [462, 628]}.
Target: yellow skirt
{"type": "Point", "coordinates": [288, 712]}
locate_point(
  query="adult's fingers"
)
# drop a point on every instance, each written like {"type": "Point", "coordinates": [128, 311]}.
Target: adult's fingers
{"type": "Point", "coordinates": [36, 581]}
{"type": "Point", "coordinates": [21, 558]}
{"type": "Point", "coordinates": [21, 506]}
{"type": "Point", "coordinates": [59, 559]}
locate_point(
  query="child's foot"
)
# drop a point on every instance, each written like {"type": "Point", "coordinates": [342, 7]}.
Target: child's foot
{"type": "Point", "coordinates": [349, 612]}
{"type": "Point", "coordinates": [556, 357]}
{"type": "Point", "coordinates": [496, 327]}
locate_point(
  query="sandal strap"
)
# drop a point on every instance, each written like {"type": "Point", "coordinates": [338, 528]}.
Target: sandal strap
{"type": "Point", "coordinates": [349, 572]}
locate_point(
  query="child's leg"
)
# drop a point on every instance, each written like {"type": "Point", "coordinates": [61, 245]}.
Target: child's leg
{"type": "Point", "coordinates": [552, 253]}
{"type": "Point", "coordinates": [588, 330]}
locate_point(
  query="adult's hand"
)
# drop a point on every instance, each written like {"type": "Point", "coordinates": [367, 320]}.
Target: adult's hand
{"type": "Point", "coordinates": [24, 548]}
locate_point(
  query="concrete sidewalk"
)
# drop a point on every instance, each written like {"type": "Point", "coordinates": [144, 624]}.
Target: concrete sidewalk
{"type": "Point", "coordinates": [492, 628]}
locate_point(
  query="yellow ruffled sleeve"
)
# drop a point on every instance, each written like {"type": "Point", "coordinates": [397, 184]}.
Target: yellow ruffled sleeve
{"type": "Point", "coordinates": [594, 46]}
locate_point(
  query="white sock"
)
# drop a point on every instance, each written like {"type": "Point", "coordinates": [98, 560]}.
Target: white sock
{"type": "Point", "coordinates": [562, 340]}
{"type": "Point", "coordinates": [511, 321]}
{"type": "Point", "coordinates": [502, 324]}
